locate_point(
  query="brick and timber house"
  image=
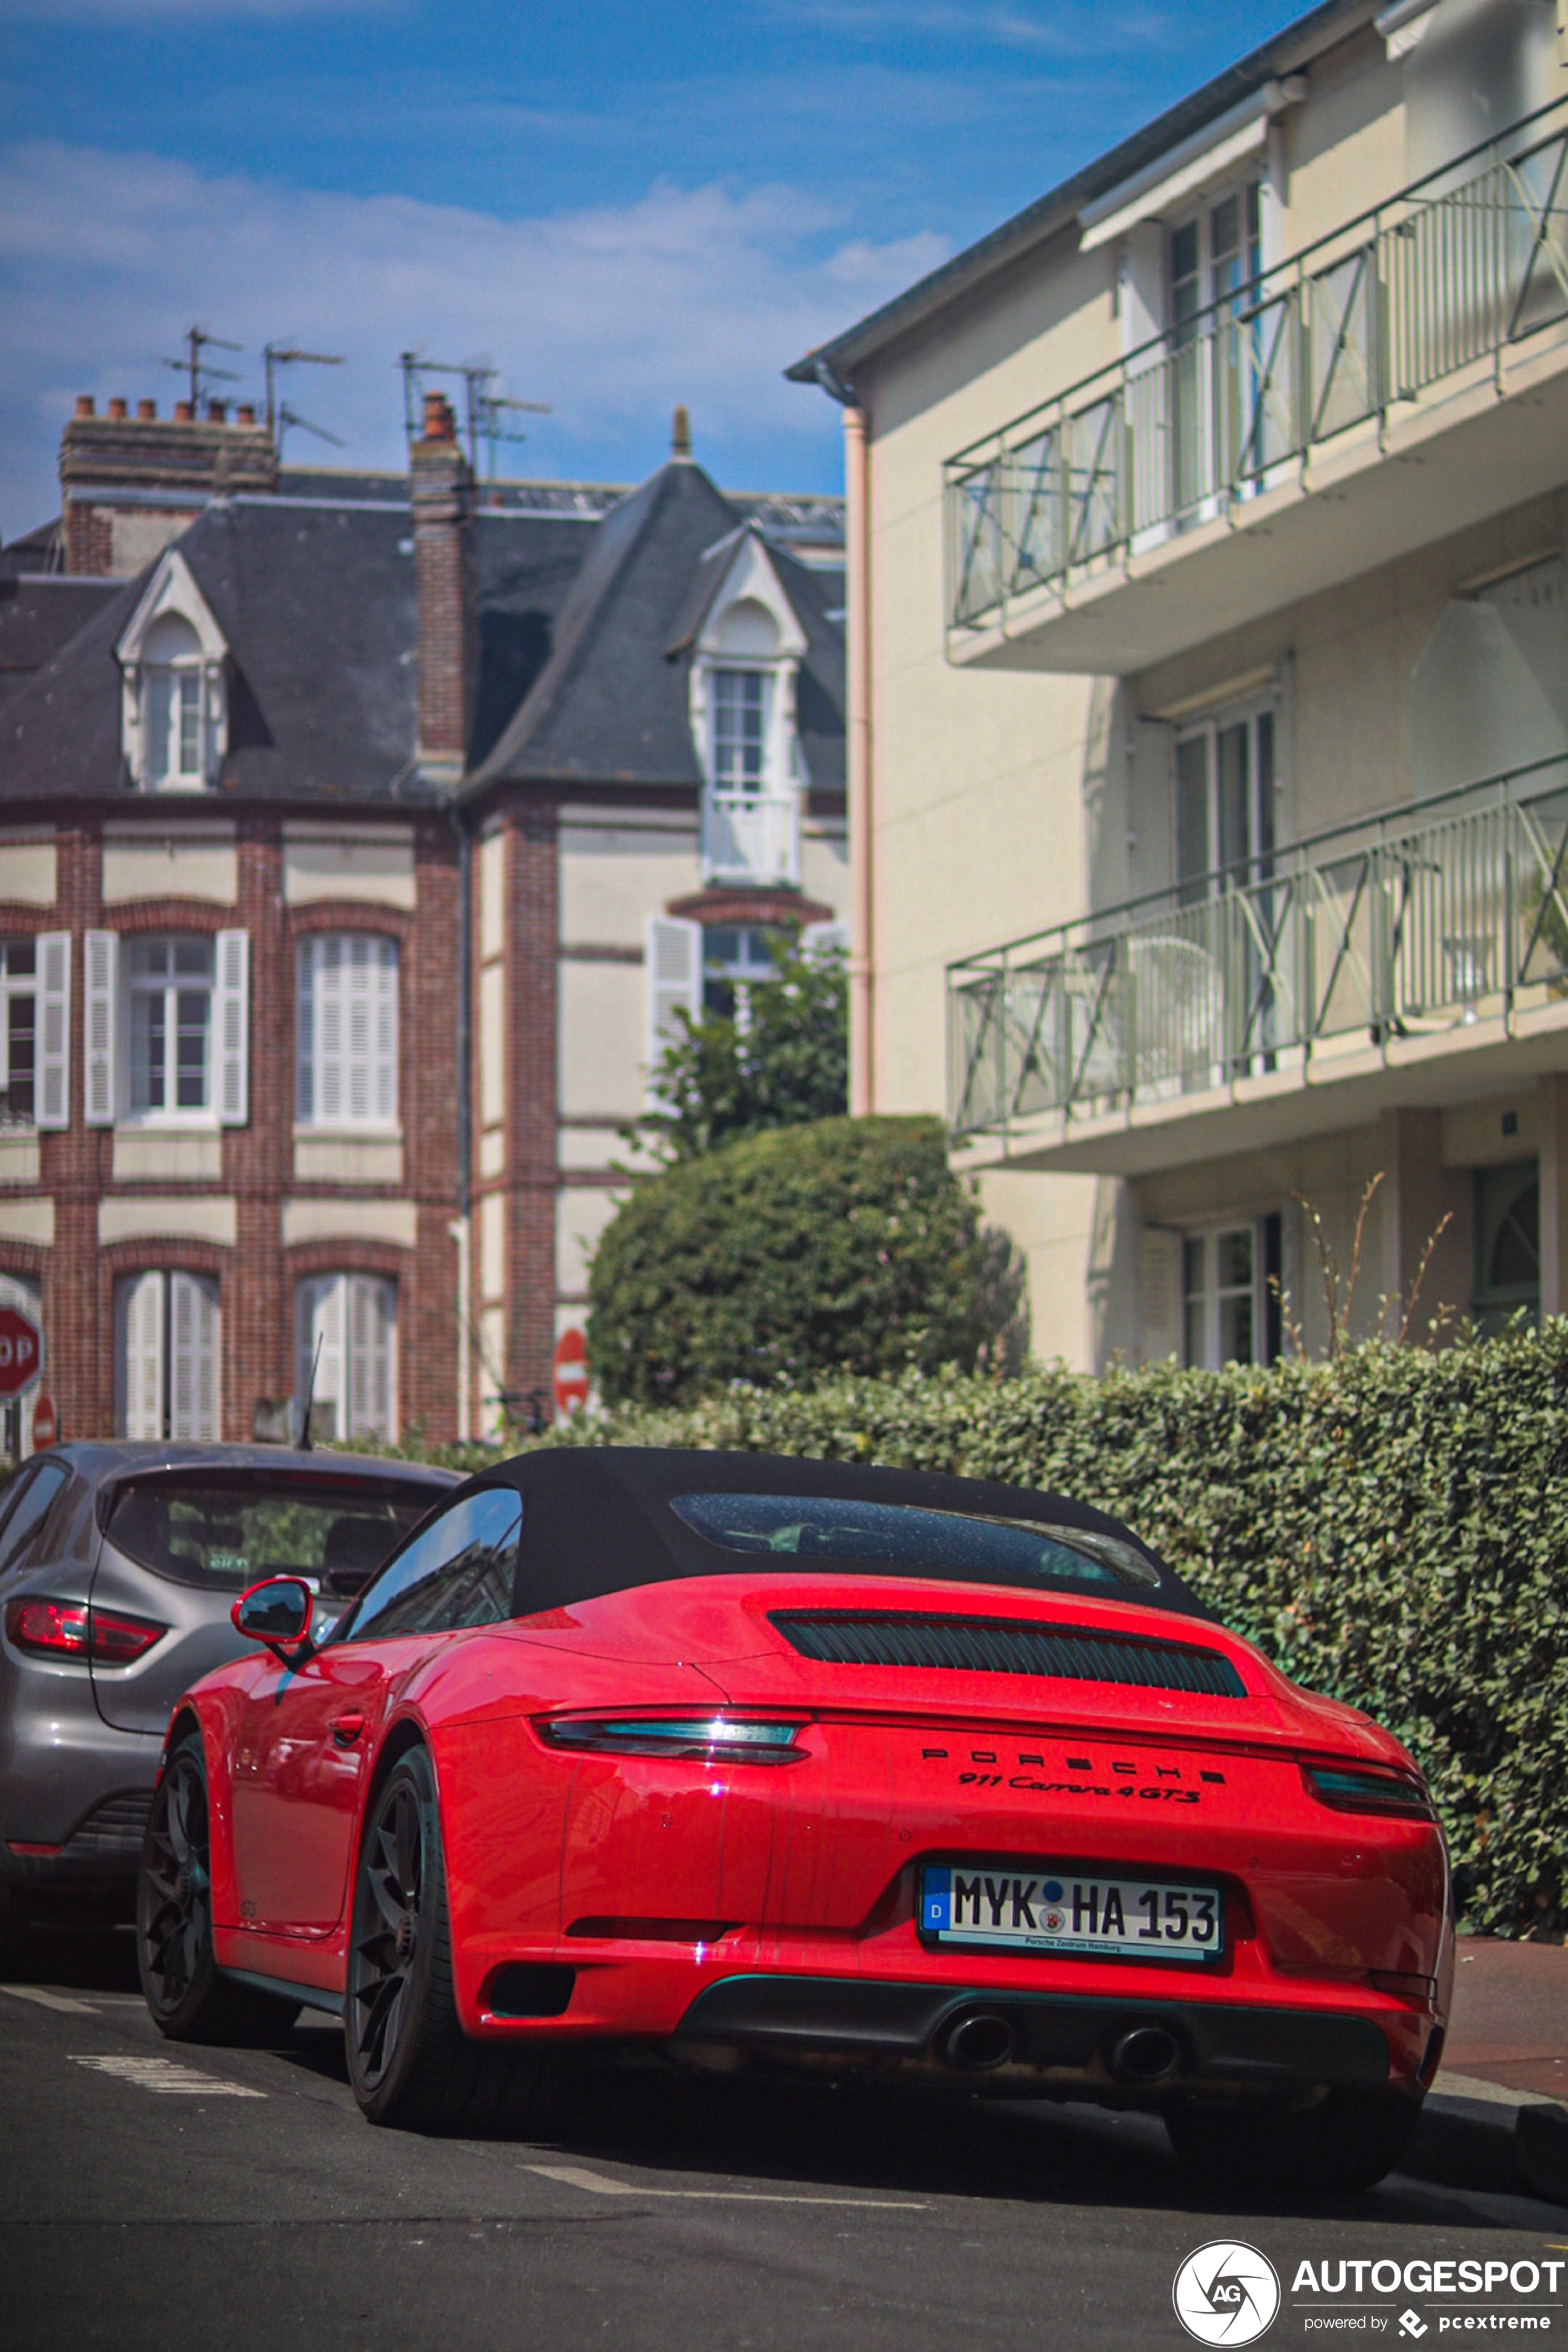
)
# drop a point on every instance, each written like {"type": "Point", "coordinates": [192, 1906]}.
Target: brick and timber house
{"type": "Point", "coordinates": [360, 836]}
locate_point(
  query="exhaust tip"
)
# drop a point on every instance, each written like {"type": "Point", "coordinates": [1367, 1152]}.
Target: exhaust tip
{"type": "Point", "coordinates": [979, 2043]}
{"type": "Point", "coordinates": [1146, 2054]}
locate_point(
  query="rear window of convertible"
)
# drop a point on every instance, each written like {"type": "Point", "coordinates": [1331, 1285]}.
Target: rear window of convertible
{"type": "Point", "coordinates": [229, 1530]}
{"type": "Point", "coordinates": [890, 1537]}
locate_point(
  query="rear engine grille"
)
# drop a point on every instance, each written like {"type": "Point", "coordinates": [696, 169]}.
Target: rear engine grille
{"type": "Point", "coordinates": [1001, 1645]}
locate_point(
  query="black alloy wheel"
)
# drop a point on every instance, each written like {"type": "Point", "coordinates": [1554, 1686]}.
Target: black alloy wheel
{"type": "Point", "coordinates": [409, 2061]}
{"type": "Point", "coordinates": [190, 1998]}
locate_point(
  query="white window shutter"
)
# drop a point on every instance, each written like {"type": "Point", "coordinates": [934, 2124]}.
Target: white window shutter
{"type": "Point", "coordinates": [233, 1028]}
{"type": "Point", "coordinates": [305, 1034]}
{"type": "Point", "coordinates": [384, 1047]}
{"type": "Point", "coordinates": [372, 1327]}
{"type": "Point", "coordinates": [318, 1318]}
{"type": "Point", "coordinates": [101, 953]}
{"type": "Point", "coordinates": [140, 1365]}
{"type": "Point", "coordinates": [52, 1095]}
{"type": "Point", "coordinates": [1159, 1293]}
{"type": "Point", "coordinates": [674, 985]}
{"type": "Point", "coordinates": [192, 1357]}
{"type": "Point", "coordinates": [824, 939]}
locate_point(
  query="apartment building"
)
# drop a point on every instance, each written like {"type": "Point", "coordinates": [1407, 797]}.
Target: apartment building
{"type": "Point", "coordinates": [360, 836]}
{"type": "Point", "coordinates": [1208, 715]}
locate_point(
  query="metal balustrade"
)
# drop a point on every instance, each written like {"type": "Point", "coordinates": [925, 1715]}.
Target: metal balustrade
{"type": "Point", "coordinates": [1420, 919]}
{"type": "Point", "coordinates": [1452, 271]}
{"type": "Point", "coordinates": [751, 836]}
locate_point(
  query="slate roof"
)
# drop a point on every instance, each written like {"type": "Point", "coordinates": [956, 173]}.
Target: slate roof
{"type": "Point", "coordinates": [313, 590]}
{"type": "Point", "coordinates": [38, 617]}
{"type": "Point", "coordinates": [612, 703]}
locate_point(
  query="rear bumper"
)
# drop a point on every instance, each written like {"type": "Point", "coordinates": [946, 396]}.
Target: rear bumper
{"type": "Point", "coordinates": [1067, 2041]}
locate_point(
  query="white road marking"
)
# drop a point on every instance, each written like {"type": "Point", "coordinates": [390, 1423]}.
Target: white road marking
{"type": "Point", "coordinates": [50, 2000]}
{"type": "Point", "coordinates": [577, 2176]}
{"type": "Point", "coordinates": [163, 2075]}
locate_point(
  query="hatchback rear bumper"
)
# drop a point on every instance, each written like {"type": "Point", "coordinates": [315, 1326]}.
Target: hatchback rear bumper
{"type": "Point", "coordinates": [1090, 2043]}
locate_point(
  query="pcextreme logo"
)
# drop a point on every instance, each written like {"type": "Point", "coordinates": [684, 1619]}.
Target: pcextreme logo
{"type": "Point", "coordinates": [1226, 2293]}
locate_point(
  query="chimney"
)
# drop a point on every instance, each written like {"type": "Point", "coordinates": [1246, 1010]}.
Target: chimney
{"type": "Point", "coordinates": [442, 489]}
{"type": "Point", "coordinates": [681, 432]}
{"type": "Point", "coordinates": [128, 484]}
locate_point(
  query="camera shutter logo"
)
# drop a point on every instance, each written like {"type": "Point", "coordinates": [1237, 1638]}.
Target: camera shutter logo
{"type": "Point", "coordinates": [1226, 2293]}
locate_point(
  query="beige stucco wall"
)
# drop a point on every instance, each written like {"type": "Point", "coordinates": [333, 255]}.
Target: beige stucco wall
{"type": "Point", "coordinates": [601, 1049]}
{"type": "Point", "coordinates": [618, 870]}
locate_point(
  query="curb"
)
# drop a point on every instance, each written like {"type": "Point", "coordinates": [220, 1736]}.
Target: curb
{"type": "Point", "coordinates": [1476, 2135]}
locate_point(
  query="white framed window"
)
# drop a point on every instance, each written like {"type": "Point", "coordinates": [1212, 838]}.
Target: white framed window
{"type": "Point", "coordinates": [167, 1335]}
{"type": "Point", "coordinates": [175, 733]}
{"type": "Point", "coordinates": [1225, 798]}
{"type": "Point", "coordinates": [346, 1031]}
{"type": "Point", "coordinates": [734, 956]}
{"type": "Point", "coordinates": [352, 1320]}
{"type": "Point", "coordinates": [740, 729]}
{"type": "Point", "coordinates": [1230, 1298]}
{"type": "Point", "coordinates": [35, 1030]}
{"type": "Point", "coordinates": [167, 1028]}
{"type": "Point", "coordinates": [169, 987]}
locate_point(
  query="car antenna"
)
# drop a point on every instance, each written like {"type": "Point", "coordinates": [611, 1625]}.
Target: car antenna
{"type": "Point", "coordinates": [305, 1445]}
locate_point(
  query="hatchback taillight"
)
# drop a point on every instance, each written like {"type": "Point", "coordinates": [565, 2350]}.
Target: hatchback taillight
{"type": "Point", "coordinates": [66, 1629]}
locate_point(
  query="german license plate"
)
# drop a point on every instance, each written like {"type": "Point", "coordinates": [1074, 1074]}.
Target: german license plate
{"type": "Point", "coordinates": [1057, 1910]}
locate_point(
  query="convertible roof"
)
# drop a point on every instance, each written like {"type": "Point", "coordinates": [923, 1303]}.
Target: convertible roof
{"type": "Point", "coordinates": [597, 1520]}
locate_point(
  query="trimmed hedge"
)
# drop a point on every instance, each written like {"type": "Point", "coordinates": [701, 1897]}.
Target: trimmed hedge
{"type": "Point", "coordinates": [1392, 1528]}
{"type": "Point", "coordinates": [848, 1242]}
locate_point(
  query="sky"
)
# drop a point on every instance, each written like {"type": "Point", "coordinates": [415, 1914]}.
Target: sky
{"type": "Point", "coordinates": [617, 204]}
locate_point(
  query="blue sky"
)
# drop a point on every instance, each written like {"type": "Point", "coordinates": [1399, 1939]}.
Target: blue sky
{"type": "Point", "coordinates": [618, 205]}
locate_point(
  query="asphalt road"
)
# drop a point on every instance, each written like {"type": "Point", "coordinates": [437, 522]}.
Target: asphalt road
{"type": "Point", "coordinates": [241, 2201]}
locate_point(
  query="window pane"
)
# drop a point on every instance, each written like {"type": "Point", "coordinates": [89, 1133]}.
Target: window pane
{"type": "Point", "coordinates": [147, 1050]}
{"type": "Point", "coordinates": [463, 1563]}
{"type": "Point", "coordinates": [1236, 1344]}
{"type": "Point", "coordinates": [190, 714]}
{"type": "Point", "coordinates": [738, 699]}
{"type": "Point", "coordinates": [1194, 853]}
{"type": "Point", "coordinates": [19, 959]}
{"type": "Point", "coordinates": [195, 1007]}
{"type": "Point", "coordinates": [17, 1096]}
{"type": "Point", "coordinates": [158, 723]}
{"type": "Point", "coordinates": [1236, 1258]}
{"type": "Point", "coordinates": [232, 1528]}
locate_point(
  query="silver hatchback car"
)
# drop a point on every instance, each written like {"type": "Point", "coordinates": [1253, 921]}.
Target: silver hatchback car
{"type": "Point", "coordinates": [119, 1565]}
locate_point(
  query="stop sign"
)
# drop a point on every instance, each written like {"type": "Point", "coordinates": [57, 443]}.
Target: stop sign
{"type": "Point", "coordinates": [21, 1352]}
{"type": "Point", "coordinates": [571, 1371]}
{"type": "Point", "coordinates": [46, 1425]}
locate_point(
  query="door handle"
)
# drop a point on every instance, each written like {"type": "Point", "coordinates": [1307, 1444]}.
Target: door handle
{"type": "Point", "coordinates": [345, 1729]}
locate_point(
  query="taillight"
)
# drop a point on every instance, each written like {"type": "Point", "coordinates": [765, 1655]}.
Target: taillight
{"type": "Point", "coordinates": [1361, 1788]}
{"type": "Point", "coordinates": [66, 1629]}
{"type": "Point", "coordinates": [703, 1739]}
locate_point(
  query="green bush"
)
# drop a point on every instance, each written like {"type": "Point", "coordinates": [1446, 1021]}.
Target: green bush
{"type": "Point", "coordinates": [847, 1243]}
{"type": "Point", "coordinates": [1392, 1528]}
{"type": "Point", "coordinates": [784, 1064]}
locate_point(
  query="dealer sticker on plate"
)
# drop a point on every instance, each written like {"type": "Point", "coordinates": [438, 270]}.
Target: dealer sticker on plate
{"type": "Point", "coordinates": [1061, 1912]}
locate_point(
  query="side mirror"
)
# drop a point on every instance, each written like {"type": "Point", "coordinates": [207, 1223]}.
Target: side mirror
{"type": "Point", "coordinates": [277, 1613]}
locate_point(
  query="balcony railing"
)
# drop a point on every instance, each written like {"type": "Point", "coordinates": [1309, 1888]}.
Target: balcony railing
{"type": "Point", "coordinates": [751, 836]}
{"type": "Point", "coordinates": [1453, 270]}
{"type": "Point", "coordinates": [1434, 915]}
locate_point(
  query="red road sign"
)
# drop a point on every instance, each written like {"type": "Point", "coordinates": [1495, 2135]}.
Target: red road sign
{"type": "Point", "coordinates": [21, 1352]}
{"type": "Point", "coordinates": [571, 1371]}
{"type": "Point", "coordinates": [45, 1428]}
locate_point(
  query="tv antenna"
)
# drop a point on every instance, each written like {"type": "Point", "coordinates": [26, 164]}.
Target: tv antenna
{"type": "Point", "coordinates": [485, 408]}
{"type": "Point", "coordinates": [197, 340]}
{"type": "Point", "coordinates": [280, 415]}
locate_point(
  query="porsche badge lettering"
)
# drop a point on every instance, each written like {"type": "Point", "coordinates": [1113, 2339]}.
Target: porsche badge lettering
{"type": "Point", "coordinates": [1151, 1782]}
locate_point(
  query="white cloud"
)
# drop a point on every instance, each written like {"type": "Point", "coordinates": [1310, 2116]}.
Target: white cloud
{"type": "Point", "coordinates": [698, 294]}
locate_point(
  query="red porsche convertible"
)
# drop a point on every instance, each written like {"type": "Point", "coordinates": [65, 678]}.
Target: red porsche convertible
{"type": "Point", "coordinates": [782, 1763]}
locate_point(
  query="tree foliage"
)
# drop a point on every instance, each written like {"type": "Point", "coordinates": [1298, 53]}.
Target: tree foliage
{"type": "Point", "coordinates": [781, 1059]}
{"type": "Point", "coordinates": [847, 1244]}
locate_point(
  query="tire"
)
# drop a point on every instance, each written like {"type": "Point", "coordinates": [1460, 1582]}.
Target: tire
{"type": "Point", "coordinates": [1346, 2143]}
{"type": "Point", "coordinates": [190, 1998]}
{"type": "Point", "coordinates": [411, 2065]}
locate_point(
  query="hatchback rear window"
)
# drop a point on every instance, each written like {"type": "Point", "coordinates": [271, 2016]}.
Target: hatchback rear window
{"type": "Point", "coordinates": [894, 1535]}
{"type": "Point", "coordinates": [229, 1530]}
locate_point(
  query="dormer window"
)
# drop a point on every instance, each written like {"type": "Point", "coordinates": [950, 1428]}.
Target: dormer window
{"type": "Point", "coordinates": [173, 735]}
{"type": "Point", "coordinates": [175, 704]}
{"type": "Point", "coordinates": [740, 729]}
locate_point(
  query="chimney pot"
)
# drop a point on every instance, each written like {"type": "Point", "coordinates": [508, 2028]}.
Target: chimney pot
{"type": "Point", "coordinates": [218, 412]}
{"type": "Point", "coordinates": [681, 432]}
{"type": "Point", "coordinates": [184, 412]}
{"type": "Point", "coordinates": [84, 403]}
{"type": "Point", "coordinates": [245, 413]}
{"type": "Point", "coordinates": [440, 425]}
{"type": "Point", "coordinates": [146, 412]}
{"type": "Point", "coordinates": [117, 411]}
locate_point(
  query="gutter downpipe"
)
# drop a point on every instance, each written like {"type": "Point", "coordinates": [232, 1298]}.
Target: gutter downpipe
{"type": "Point", "coordinates": [858, 668]}
{"type": "Point", "coordinates": [460, 1229]}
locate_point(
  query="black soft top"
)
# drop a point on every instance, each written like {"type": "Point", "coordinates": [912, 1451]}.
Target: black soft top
{"type": "Point", "coordinates": [597, 1519]}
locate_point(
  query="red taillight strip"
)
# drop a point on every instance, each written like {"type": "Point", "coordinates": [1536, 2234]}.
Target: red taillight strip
{"type": "Point", "coordinates": [69, 1629]}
